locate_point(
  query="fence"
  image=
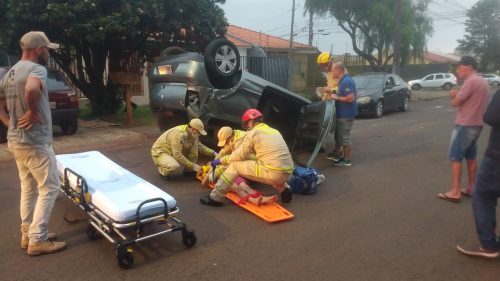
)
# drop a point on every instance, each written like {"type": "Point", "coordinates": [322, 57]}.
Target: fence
{"type": "Point", "coordinates": [273, 69]}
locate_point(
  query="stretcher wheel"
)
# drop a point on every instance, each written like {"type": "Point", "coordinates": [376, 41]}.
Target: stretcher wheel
{"type": "Point", "coordinates": [92, 233]}
{"type": "Point", "coordinates": [188, 238]}
{"type": "Point", "coordinates": [124, 258]}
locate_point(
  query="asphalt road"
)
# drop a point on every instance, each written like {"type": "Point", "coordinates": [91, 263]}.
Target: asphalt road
{"type": "Point", "coordinates": [377, 220]}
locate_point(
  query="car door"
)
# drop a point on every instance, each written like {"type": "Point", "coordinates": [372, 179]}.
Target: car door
{"type": "Point", "coordinates": [389, 93]}
{"type": "Point", "coordinates": [315, 122]}
{"type": "Point", "coordinates": [428, 81]}
{"type": "Point", "coordinates": [400, 91]}
{"type": "Point", "coordinates": [438, 80]}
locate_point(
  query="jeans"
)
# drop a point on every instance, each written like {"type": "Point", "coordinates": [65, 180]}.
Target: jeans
{"type": "Point", "coordinates": [37, 168]}
{"type": "Point", "coordinates": [463, 142]}
{"type": "Point", "coordinates": [484, 202]}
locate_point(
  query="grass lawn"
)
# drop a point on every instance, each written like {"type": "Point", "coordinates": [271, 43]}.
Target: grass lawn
{"type": "Point", "coordinates": [141, 115]}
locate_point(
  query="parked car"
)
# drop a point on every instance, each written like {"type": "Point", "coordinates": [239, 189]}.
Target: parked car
{"type": "Point", "coordinates": [380, 92]}
{"type": "Point", "coordinates": [212, 87]}
{"type": "Point", "coordinates": [493, 79]}
{"type": "Point", "coordinates": [63, 103]}
{"type": "Point", "coordinates": [435, 80]}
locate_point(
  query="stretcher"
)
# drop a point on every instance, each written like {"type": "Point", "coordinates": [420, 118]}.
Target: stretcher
{"type": "Point", "coordinates": [118, 203]}
{"type": "Point", "coordinates": [271, 213]}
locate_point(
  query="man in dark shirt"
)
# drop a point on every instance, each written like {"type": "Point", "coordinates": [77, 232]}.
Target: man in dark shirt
{"type": "Point", "coordinates": [487, 189]}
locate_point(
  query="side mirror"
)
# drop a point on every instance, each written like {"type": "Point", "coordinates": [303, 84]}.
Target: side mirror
{"type": "Point", "coordinates": [388, 87]}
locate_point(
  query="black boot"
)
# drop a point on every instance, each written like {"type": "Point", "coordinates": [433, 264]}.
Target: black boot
{"type": "Point", "coordinates": [207, 200]}
{"type": "Point", "coordinates": [286, 195]}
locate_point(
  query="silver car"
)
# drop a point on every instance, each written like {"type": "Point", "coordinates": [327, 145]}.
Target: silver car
{"type": "Point", "coordinates": [493, 79]}
{"type": "Point", "coordinates": [212, 87]}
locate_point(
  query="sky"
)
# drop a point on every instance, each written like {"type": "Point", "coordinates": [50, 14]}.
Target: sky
{"type": "Point", "coordinates": [274, 17]}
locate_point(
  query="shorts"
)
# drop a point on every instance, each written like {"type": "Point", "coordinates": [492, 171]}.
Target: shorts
{"type": "Point", "coordinates": [463, 142]}
{"type": "Point", "coordinates": [343, 132]}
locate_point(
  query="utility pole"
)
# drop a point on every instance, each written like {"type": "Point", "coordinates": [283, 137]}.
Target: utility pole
{"type": "Point", "coordinates": [397, 38]}
{"type": "Point", "coordinates": [290, 49]}
{"type": "Point", "coordinates": [311, 30]}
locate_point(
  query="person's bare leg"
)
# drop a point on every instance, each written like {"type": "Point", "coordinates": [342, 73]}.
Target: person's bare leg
{"type": "Point", "coordinates": [243, 189]}
{"type": "Point", "coordinates": [337, 150]}
{"type": "Point", "coordinates": [471, 172]}
{"type": "Point", "coordinates": [456, 174]}
{"type": "Point", "coordinates": [347, 152]}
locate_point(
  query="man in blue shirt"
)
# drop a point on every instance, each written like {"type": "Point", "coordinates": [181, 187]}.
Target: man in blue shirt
{"type": "Point", "coordinates": [347, 109]}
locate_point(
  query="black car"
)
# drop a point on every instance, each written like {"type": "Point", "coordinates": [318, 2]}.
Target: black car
{"type": "Point", "coordinates": [63, 101]}
{"type": "Point", "coordinates": [380, 92]}
{"type": "Point", "coordinates": [214, 88]}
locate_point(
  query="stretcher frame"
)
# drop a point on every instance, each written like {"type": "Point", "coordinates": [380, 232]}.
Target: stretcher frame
{"type": "Point", "coordinates": [101, 224]}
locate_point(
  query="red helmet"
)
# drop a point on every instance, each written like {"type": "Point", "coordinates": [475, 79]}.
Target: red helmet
{"type": "Point", "coordinates": [251, 114]}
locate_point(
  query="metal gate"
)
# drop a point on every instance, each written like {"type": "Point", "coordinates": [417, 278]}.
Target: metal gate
{"type": "Point", "coordinates": [273, 69]}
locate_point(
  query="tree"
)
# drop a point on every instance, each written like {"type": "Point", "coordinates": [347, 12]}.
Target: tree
{"type": "Point", "coordinates": [482, 38]}
{"type": "Point", "coordinates": [370, 26]}
{"type": "Point", "coordinates": [95, 34]}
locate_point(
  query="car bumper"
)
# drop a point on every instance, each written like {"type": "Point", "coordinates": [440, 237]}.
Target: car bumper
{"type": "Point", "coordinates": [64, 114]}
{"type": "Point", "coordinates": [366, 108]}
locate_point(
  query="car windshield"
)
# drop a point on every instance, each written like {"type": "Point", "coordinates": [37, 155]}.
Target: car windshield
{"type": "Point", "coordinates": [369, 81]}
{"type": "Point", "coordinates": [55, 82]}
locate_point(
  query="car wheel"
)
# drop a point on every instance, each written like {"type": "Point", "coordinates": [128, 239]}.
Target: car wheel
{"type": "Point", "coordinates": [416, 87]}
{"type": "Point", "coordinates": [222, 63]}
{"type": "Point", "coordinates": [3, 133]}
{"type": "Point", "coordinates": [69, 127]}
{"type": "Point", "coordinates": [406, 104]}
{"type": "Point", "coordinates": [167, 119]}
{"type": "Point", "coordinates": [495, 83]}
{"type": "Point", "coordinates": [447, 86]}
{"type": "Point", "coordinates": [379, 109]}
{"type": "Point", "coordinates": [170, 51]}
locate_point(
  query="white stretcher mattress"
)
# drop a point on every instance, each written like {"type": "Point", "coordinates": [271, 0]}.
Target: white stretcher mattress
{"type": "Point", "coordinates": [114, 190]}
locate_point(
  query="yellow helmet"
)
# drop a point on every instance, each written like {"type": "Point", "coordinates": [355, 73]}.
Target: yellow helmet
{"type": "Point", "coordinates": [324, 58]}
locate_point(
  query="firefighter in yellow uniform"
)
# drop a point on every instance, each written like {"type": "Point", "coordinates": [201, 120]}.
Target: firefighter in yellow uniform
{"type": "Point", "coordinates": [326, 63]}
{"type": "Point", "coordinates": [178, 148]}
{"type": "Point", "coordinates": [230, 140]}
{"type": "Point", "coordinates": [272, 165]}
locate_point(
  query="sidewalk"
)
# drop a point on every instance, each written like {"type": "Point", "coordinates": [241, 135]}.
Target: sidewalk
{"type": "Point", "coordinates": [93, 135]}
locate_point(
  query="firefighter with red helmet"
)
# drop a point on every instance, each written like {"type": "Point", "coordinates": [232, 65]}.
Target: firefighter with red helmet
{"type": "Point", "coordinates": [263, 156]}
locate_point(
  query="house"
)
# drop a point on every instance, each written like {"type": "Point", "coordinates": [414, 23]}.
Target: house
{"type": "Point", "coordinates": [255, 43]}
{"type": "Point", "coordinates": [431, 57]}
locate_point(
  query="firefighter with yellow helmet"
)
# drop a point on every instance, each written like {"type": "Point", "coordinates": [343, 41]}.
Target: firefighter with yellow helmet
{"type": "Point", "coordinates": [325, 61]}
{"type": "Point", "coordinates": [272, 164]}
{"type": "Point", "coordinates": [178, 148]}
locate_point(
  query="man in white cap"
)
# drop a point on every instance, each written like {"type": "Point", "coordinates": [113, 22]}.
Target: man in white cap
{"type": "Point", "coordinates": [23, 94]}
{"type": "Point", "coordinates": [178, 148]}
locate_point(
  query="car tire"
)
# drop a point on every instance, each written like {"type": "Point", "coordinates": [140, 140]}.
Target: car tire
{"type": "Point", "coordinates": [222, 63]}
{"type": "Point", "coordinates": [495, 84]}
{"type": "Point", "coordinates": [406, 104]}
{"type": "Point", "coordinates": [3, 133]}
{"type": "Point", "coordinates": [69, 127]}
{"type": "Point", "coordinates": [416, 87]}
{"type": "Point", "coordinates": [379, 109]}
{"type": "Point", "coordinates": [171, 51]}
{"type": "Point", "coordinates": [447, 86]}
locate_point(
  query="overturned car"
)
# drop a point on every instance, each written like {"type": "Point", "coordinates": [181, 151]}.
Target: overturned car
{"type": "Point", "coordinates": [185, 85]}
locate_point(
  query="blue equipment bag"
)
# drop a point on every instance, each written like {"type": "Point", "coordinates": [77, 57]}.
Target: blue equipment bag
{"type": "Point", "coordinates": [304, 180]}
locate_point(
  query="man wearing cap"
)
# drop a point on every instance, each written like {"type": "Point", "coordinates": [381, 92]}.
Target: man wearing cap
{"type": "Point", "coordinates": [272, 164]}
{"type": "Point", "coordinates": [23, 94]}
{"type": "Point", "coordinates": [230, 140]}
{"type": "Point", "coordinates": [471, 102]}
{"type": "Point", "coordinates": [178, 148]}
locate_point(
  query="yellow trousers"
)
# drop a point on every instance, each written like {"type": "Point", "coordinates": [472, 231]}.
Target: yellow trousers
{"type": "Point", "coordinates": [167, 165]}
{"type": "Point", "coordinates": [248, 169]}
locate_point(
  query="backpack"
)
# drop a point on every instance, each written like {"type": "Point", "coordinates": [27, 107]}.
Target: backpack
{"type": "Point", "coordinates": [304, 180]}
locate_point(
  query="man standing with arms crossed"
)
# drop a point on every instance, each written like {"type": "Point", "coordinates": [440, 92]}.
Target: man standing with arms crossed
{"type": "Point", "coordinates": [23, 93]}
{"type": "Point", "coordinates": [471, 101]}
